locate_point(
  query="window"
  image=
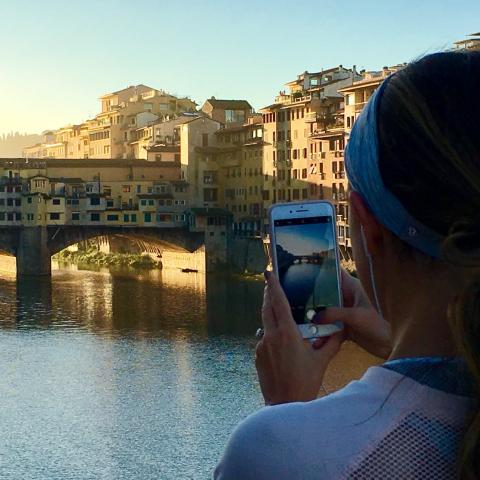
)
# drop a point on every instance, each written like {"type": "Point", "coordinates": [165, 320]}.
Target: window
{"type": "Point", "coordinates": [296, 194]}
{"type": "Point", "coordinates": [304, 173]}
{"type": "Point", "coordinates": [147, 217]}
{"type": "Point", "coordinates": [75, 216]}
{"type": "Point", "coordinates": [234, 116]}
{"type": "Point", "coordinates": [126, 218]}
{"type": "Point", "coordinates": [94, 217]}
{"type": "Point", "coordinates": [164, 217]}
{"type": "Point", "coordinates": [29, 200]}
{"type": "Point", "coordinates": [54, 216]}
{"type": "Point", "coordinates": [10, 202]}
{"type": "Point", "coordinates": [112, 218]}
{"type": "Point", "coordinates": [18, 217]}
{"type": "Point", "coordinates": [143, 202]}
{"type": "Point", "coordinates": [133, 217]}
{"type": "Point", "coordinates": [18, 202]}
{"type": "Point", "coordinates": [109, 203]}
{"type": "Point", "coordinates": [304, 193]}
{"type": "Point", "coordinates": [139, 189]}
{"type": "Point", "coordinates": [151, 202]}
{"type": "Point", "coordinates": [158, 157]}
{"type": "Point", "coordinates": [209, 177]}
{"type": "Point", "coordinates": [126, 189]}
{"type": "Point", "coordinates": [95, 201]}
{"type": "Point", "coordinates": [209, 194]}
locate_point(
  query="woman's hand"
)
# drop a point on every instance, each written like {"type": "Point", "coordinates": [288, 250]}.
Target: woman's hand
{"type": "Point", "coordinates": [289, 369]}
{"type": "Point", "coordinates": [363, 324]}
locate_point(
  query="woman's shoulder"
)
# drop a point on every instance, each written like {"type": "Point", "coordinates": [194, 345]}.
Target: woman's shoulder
{"type": "Point", "coordinates": [276, 439]}
{"type": "Point", "coordinates": [320, 439]}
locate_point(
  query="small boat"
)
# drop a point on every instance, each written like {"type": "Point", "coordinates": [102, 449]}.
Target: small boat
{"type": "Point", "coordinates": [189, 270]}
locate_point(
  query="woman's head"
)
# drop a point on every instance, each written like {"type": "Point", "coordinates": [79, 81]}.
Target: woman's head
{"type": "Point", "coordinates": [428, 154]}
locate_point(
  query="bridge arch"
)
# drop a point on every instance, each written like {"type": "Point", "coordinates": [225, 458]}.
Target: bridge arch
{"type": "Point", "coordinates": [34, 246]}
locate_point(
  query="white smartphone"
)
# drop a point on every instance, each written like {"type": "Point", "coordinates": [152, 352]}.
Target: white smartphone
{"type": "Point", "coordinates": [304, 249]}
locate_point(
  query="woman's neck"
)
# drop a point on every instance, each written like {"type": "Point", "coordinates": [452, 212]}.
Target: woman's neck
{"type": "Point", "coordinates": [417, 312]}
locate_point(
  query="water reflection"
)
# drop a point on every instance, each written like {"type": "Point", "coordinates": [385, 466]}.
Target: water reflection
{"type": "Point", "coordinates": [128, 375]}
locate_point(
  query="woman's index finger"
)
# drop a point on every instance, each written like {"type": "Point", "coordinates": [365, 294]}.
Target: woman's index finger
{"type": "Point", "coordinates": [281, 308]}
{"type": "Point", "coordinates": [268, 316]}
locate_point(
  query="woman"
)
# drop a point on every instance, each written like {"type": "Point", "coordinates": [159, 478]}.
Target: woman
{"type": "Point", "coordinates": [413, 162]}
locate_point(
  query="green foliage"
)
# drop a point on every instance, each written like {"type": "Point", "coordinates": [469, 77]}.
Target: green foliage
{"type": "Point", "coordinates": [95, 257]}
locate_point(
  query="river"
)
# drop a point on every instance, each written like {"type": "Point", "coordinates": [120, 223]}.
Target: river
{"type": "Point", "coordinates": [123, 375]}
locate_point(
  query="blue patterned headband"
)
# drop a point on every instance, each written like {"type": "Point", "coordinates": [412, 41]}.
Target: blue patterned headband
{"type": "Point", "coordinates": [361, 162]}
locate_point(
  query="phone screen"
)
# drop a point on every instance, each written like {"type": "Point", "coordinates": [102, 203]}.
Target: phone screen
{"type": "Point", "coordinates": [307, 264]}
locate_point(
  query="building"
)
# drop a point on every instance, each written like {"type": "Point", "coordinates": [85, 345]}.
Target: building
{"type": "Point", "coordinates": [156, 133]}
{"type": "Point", "coordinates": [472, 43]}
{"type": "Point", "coordinates": [303, 133]}
{"type": "Point", "coordinates": [229, 112]}
{"type": "Point", "coordinates": [118, 130]}
{"type": "Point", "coordinates": [240, 159]}
{"type": "Point", "coordinates": [199, 168]}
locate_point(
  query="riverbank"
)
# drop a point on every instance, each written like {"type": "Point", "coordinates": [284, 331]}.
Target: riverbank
{"type": "Point", "coordinates": [95, 257]}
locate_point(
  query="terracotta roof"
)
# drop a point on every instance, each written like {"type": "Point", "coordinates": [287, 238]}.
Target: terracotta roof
{"type": "Point", "coordinates": [229, 104]}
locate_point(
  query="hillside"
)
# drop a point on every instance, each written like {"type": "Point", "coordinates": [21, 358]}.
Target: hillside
{"type": "Point", "coordinates": [11, 144]}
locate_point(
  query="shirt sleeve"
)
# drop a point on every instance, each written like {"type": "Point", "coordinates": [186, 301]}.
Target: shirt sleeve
{"type": "Point", "coordinates": [257, 450]}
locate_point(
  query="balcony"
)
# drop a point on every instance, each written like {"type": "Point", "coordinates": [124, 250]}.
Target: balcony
{"type": "Point", "coordinates": [10, 181]}
{"type": "Point", "coordinates": [292, 99]}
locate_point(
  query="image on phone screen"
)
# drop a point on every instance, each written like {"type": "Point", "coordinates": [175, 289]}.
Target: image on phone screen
{"type": "Point", "coordinates": [307, 265]}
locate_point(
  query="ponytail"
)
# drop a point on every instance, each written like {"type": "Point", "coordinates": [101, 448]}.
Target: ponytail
{"type": "Point", "coordinates": [462, 249]}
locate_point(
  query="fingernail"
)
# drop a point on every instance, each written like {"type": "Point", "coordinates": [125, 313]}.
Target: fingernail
{"type": "Point", "coordinates": [267, 274]}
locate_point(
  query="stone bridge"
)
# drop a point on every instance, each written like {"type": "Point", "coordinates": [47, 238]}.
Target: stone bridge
{"type": "Point", "coordinates": [33, 247]}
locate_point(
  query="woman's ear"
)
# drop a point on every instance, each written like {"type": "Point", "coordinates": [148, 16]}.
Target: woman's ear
{"type": "Point", "coordinates": [370, 230]}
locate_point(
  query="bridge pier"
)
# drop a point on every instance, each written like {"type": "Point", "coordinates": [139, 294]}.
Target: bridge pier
{"type": "Point", "coordinates": [33, 254]}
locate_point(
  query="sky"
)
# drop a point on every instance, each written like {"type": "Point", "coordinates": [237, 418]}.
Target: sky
{"type": "Point", "coordinates": [306, 239]}
{"type": "Point", "coordinates": [58, 57]}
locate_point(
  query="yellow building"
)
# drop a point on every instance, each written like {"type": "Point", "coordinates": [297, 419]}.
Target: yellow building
{"type": "Point", "coordinates": [295, 162]}
{"type": "Point", "coordinates": [472, 43]}
{"type": "Point", "coordinates": [239, 155]}
{"type": "Point", "coordinates": [198, 165]}
{"type": "Point", "coordinates": [110, 133]}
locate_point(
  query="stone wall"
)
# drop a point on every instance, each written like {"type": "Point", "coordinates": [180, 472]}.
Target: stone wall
{"type": "Point", "coordinates": [247, 255]}
{"type": "Point", "coordinates": [8, 265]}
